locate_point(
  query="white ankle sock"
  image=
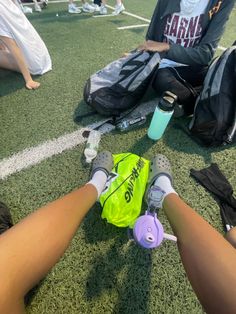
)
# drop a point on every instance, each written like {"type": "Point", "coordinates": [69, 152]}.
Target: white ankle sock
{"type": "Point", "coordinates": [99, 180]}
{"type": "Point", "coordinates": [164, 183]}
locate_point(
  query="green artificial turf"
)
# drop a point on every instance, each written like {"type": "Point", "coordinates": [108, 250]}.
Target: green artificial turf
{"type": "Point", "coordinates": [101, 272]}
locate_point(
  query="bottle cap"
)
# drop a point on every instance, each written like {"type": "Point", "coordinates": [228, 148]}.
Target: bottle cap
{"type": "Point", "coordinates": [167, 101]}
{"type": "Point", "coordinates": [148, 231]}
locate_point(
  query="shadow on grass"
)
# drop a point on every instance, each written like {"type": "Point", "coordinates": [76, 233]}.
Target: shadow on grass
{"type": "Point", "coordinates": [178, 139]}
{"type": "Point", "coordinates": [62, 16]}
{"type": "Point", "coordinates": [138, 31]}
{"type": "Point", "coordinates": [124, 268]}
{"type": "Point", "coordinates": [84, 114]}
{"type": "Point", "coordinates": [142, 145]}
{"type": "Point", "coordinates": [117, 21]}
{"type": "Point", "coordinates": [10, 82]}
{"type": "Point", "coordinates": [29, 297]}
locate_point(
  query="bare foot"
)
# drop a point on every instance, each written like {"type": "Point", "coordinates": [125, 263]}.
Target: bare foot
{"type": "Point", "coordinates": [32, 84]}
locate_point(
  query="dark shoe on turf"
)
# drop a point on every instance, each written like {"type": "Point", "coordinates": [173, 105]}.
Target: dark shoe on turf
{"type": "Point", "coordinates": [104, 162]}
{"type": "Point", "coordinates": [5, 218]}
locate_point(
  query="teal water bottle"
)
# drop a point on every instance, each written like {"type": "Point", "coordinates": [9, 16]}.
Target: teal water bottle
{"type": "Point", "coordinates": [162, 115]}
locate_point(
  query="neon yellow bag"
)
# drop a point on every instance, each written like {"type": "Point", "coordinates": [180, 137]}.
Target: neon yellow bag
{"type": "Point", "coordinates": [122, 198]}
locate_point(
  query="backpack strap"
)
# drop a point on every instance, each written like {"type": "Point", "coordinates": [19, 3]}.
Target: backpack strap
{"type": "Point", "coordinates": [231, 132]}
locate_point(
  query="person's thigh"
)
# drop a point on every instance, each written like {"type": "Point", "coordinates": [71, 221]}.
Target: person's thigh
{"type": "Point", "coordinates": [193, 75]}
{"type": "Point", "coordinates": [171, 79]}
{"type": "Point", "coordinates": [165, 79]}
{"type": "Point", "coordinates": [7, 61]}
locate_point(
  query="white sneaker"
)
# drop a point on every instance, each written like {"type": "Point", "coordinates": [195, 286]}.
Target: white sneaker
{"type": "Point", "coordinates": [37, 7]}
{"type": "Point", "coordinates": [88, 8]}
{"type": "Point", "coordinates": [96, 7]}
{"type": "Point", "coordinates": [103, 10]}
{"type": "Point", "coordinates": [73, 9]}
{"type": "Point", "coordinates": [118, 9]}
{"type": "Point", "coordinates": [27, 9]}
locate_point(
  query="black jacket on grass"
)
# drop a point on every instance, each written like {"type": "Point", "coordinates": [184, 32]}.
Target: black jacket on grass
{"type": "Point", "coordinates": [213, 25]}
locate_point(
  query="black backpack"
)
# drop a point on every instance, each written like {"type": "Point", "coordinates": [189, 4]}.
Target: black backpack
{"type": "Point", "coordinates": [121, 84]}
{"type": "Point", "coordinates": [214, 119]}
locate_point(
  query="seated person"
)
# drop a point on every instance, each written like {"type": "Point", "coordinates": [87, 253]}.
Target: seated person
{"type": "Point", "coordinates": [186, 34]}
{"type": "Point", "coordinates": [21, 47]}
{"type": "Point", "coordinates": [209, 260]}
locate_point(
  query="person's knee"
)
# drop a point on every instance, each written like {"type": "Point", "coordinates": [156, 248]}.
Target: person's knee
{"type": "Point", "coordinates": [163, 80]}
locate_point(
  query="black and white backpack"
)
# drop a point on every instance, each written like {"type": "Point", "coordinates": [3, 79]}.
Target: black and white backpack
{"type": "Point", "coordinates": [121, 84]}
{"type": "Point", "coordinates": [214, 119]}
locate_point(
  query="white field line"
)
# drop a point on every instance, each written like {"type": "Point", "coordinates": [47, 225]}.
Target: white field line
{"type": "Point", "coordinates": [103, 15]}
{"type": "Point", "coordinates": [131, 14]}
{"type": "Point", "coordinates": [34, 155]}
{"type": "Point", "coordinates": [132, 26]}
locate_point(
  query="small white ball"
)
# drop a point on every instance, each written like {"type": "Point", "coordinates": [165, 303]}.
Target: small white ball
{"type": "Point", "coordinates": [57, 14]}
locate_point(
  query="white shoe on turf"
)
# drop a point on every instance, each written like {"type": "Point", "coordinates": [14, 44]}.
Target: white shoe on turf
{"type": "Point", "coordinates": [96, 7]}
{"type": "Point", "coordinates": [88, 8]}
{"type": "Point", "coordinates": [27, 10]}
{"type": "Point", "coordinates": [73, 9]}
{"type": "Point", "coordinates": [103, 10]}
{"type": "Point", "coordinates": [37, 7]}
{"type": "Point", "coordinates": [118, 9]}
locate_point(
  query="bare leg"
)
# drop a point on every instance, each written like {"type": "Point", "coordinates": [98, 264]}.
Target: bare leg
{"type": "Point", "coordinates": [13, 59]}
{"type": "Point", "coordinates": [231, 236]}
{"type": "Point", "coordinates": [209, 260]}
{"type": "Point", "coordinates": [30, 249]}
{"type": "Point", "coordinates": [52, 227]}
